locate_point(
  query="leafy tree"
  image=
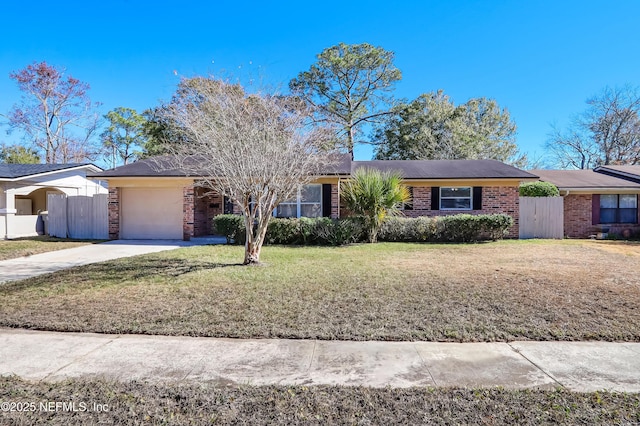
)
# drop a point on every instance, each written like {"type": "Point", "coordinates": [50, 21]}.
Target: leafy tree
{"type": "Point", "coordinates": [433, 128]}
{"type": "Point", "coordinates": [161, 127]}
{"type": "Point", "coordinates": [124, 136]}
{"type": "Point", "coordinates": [349, 86]}
{"type": "Point", "coordinates": [18, 154]}
{"type": "Point", "coordinates": [608, 132]}
{"type": "Point", "coordinates": [254, 149]}
{"type": "Point", "coordinates": [375, 195]}
{"type": "Point", "coordinates": [55, 113]}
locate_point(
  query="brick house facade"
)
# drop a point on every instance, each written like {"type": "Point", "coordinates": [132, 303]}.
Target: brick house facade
{"type": "Point", "coordinates": [495, 199]}
{"type": "Point", "coordinates": [165, 205]}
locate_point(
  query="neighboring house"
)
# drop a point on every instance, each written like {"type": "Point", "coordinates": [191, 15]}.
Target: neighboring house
{"type": "Point", "coordinates": [601, 200]}
{"type": "Point", "coordinates": [146, 203]}
{"type": "Point", "coordinates": [24, 189]}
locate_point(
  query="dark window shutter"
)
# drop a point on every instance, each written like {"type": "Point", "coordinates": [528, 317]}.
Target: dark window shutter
{"type": "Point", "coordinates": [595, 209]}
{"type": "Point", "coordinates": [435, 198]}
{"type": "Point", "coordinates": [326, 200]}
{"type": "Point", "coordinates": [477, 198]}
{"type": "Point", "coordinates": [409, 205]}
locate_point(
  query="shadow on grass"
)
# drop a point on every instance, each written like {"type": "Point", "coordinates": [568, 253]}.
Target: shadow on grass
{"type": "Point", "coordinates": [115, 271]}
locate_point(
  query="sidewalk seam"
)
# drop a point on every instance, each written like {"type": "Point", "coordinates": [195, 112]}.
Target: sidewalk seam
{"type": "Point", "coordinates": [536, 365]}
{"type": "Point", "coordinates": [415, 348]}
{"type": "Point", "coordinates": [313, 355]}
{"type": "Point", "coordinates": [76, 359]}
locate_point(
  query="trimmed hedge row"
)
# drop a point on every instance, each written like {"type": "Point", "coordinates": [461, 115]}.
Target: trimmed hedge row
{"type": "Point", "coordinates": [456, 228]}
{"type": "Point", "coordinates": [336, 232]}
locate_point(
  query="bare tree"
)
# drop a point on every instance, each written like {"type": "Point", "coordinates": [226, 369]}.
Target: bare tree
{"type": "Point", "coordinates": [607, 133]}
{"type": "Point", "coordinates": [255, 149]}
{"type": "Point", "coordinates": [55, 113]}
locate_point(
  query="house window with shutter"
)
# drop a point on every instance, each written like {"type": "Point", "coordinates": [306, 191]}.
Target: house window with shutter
{"type": "Point", "coordinates": [456, 198]}
{"type": "Point", "coordinates": [616, 208]}
{"type": "Point", "coordinates": [306, 203]}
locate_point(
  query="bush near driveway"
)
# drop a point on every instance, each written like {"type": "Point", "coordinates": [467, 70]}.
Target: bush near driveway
{"type": "Point", "coordinates": [502, 291]}
{"type": "Point", "coordinates": [181, 404]}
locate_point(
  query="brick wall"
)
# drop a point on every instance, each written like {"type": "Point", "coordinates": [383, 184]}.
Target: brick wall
{"type": "Point", "coordinates": [578, 220]}
{"type": "Point", "coordinates": [188, 212]}
{"type": "Point", "coordinates": [114, 213]}
{"type": "Point", "coordinates": [577, 216]}
{"type": "Point", "coordinates": [495, 199]}
{"type": "Point", "coordinates": [208, 204]}
{"type": "Point", "coordinates": [335, 201]}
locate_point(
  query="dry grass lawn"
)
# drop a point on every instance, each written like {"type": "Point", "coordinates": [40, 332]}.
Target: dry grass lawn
{"type": "Point", "coordinates": [138, 403]}
{"type": "Point", "coordinates": [509, 290]}
{"type": "Point", "coordinates": [10, 249]}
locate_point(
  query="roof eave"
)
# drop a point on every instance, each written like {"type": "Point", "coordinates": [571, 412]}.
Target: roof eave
{"type": "Point", "coordinates": [25, 177]}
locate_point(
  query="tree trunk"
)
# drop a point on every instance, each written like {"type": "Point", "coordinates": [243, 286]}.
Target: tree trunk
{"type": "Point", "coordinates": [252, 253]}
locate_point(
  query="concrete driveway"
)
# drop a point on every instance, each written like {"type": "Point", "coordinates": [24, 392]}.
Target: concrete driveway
{"type": "Point", "coordinates": [44, 263]}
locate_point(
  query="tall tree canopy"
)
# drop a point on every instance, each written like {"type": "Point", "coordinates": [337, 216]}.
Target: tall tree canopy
{"type": "Point", "coordinates": [432, 127]}
{"type": "Point", "coordinates": [348, 86]}
{"type": "Point", "coordinates": [161, 127]}
{"type": "Point", "coordinates": [124, 136]}
{"type": "Point", "coordinates": [608, 132]}
{"type": "Point", "coordinates": [55, 113]}
{"type": "Point", "coordinates": [18, 154]}
{"type": "Point", "coordinates": [254, 149]}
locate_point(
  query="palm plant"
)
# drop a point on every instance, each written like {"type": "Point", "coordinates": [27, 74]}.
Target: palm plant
{"type": "Point", "coordinates": [375, 195]}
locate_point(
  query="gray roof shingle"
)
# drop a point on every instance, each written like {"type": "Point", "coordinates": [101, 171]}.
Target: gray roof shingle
{"type": "Point", "coordinates": [148, 168]}
{"type": "Point", "coordinates": [584, 179]}
{"type": "Point", "coordinates": [13, 171]}
{"type": "Point", "coordinates": [410, 169]}
{"type": "Point", "coordinates": [447, 169]}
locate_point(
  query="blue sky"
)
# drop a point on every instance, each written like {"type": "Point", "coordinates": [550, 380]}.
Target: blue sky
{"type": "Point", "coordinates": [539, 59]}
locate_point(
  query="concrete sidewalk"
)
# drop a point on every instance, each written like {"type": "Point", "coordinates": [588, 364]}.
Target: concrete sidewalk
{"type": "Point", "coordinates": [577, 366]}
{"type": "Point", "coordinates": [44, 263]}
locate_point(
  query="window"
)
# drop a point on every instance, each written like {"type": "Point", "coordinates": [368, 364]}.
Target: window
{"type": "Point", "coordinates": [616, 208]}
{"type": "Point", "coordinates": [455, 198]}
{"type": "Point", "coordinates": [307, 203]}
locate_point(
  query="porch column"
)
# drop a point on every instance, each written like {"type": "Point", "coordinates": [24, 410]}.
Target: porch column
{"type": "Point", "coordinates": [7, 212]}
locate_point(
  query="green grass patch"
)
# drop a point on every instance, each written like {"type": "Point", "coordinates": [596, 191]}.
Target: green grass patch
{"type": "Point", "coordinates": [511, 290]}
{"type": "Point", "coordinates": [19, 247]}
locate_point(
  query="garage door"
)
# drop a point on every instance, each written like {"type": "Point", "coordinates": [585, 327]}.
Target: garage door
{"type": "Point", "coordinates": [151, 213]}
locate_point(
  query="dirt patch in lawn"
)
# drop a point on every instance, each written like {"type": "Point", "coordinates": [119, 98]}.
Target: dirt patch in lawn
{"type": "Point", "coordinates": [138, 403]}
{"type": "Point", "coordinates": [511, 290]}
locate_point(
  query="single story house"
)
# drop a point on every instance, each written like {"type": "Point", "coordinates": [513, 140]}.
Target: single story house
{"type": "Point", "coordinates": [604, 199]}
{"type": "Point", "coordinates": [145, 203]}
{"type": "Point", "coordinates": [24, 189]}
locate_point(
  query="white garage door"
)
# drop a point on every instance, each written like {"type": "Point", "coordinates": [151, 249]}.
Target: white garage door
{"type": "Point", "coordinates": [151, 213]}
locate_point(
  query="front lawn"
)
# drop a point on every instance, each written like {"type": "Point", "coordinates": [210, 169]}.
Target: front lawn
{"type": "Point", "coordinates": [509, 290]}
{"type": "Point", "coordinates": [10, 249]}
{"type": "Point", "coordinates": [98, 401]}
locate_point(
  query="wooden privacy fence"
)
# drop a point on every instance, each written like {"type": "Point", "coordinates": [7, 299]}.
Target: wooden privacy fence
{"type": "Point", "coordinates": [541, 217]}
{"type": "Point", "coordinates": [79, 216]}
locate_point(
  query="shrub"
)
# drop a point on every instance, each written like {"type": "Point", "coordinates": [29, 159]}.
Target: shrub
{"type": "Point", "coordinates": [469, 228]}
{"type": "Point", "coordinates": [457, 228]}
{"type": "Point", "coordinates": [539, 189]}
{"type": "Point", "coordinates": [284, 231]}
{"type": "Point", "coordinates": [353, 229]}
{"type": "Point", "coordinates": [231, 226]}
